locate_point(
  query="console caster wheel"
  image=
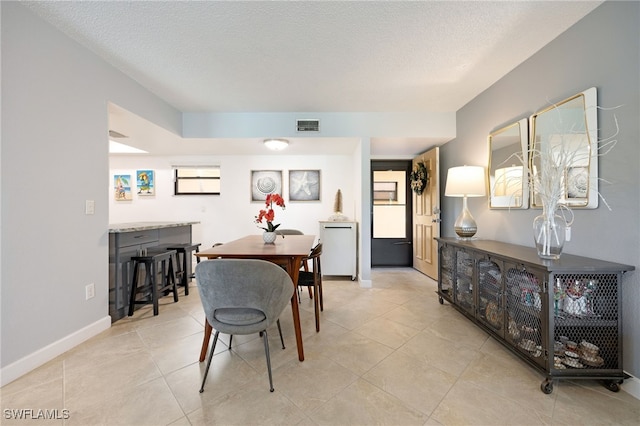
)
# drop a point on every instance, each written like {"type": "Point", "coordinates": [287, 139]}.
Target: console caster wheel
{"type": "Point", "coordinates": [441, 300]}
{"type": "Point", "coordinates": [546, 387]}
{"type": "Point", "coordinates": [612, 385]}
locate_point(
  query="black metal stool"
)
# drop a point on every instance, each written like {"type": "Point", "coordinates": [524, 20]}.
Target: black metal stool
{"type": "Point", "coordinates": [184, 260]}
{"type": "Point", "coordinates": [168, 281]}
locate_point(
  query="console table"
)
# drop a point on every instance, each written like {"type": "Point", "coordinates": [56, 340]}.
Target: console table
{"type": "Point", "coordinates": [562, 317]}
{"type": "Point", "coordinates": [125, 241]}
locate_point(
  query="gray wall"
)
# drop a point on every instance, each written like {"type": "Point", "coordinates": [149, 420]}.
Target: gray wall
{"type": "Point", "coordinates": [54, 157]}
{"type": "Point", "coordinates": [601, 50]}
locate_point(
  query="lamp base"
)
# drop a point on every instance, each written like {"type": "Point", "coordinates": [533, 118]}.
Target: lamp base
{"type": "Point", "coordinates": [465, 225]}
{"type": "Point", "coordinates": [465, 233]}
{"type": "Point", "coordinates": [459, 238]}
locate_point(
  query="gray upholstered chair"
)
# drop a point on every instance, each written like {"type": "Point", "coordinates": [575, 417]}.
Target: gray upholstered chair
{"type": "Point", "coordinates": [242, 296]}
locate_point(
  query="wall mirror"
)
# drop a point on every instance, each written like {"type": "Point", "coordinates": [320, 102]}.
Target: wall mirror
{"type": "Point", "coordinates": [565, 147]}
{"type": "Point", "coordinates": [508, 186]}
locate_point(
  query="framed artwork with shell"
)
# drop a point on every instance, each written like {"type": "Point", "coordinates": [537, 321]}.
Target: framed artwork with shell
{"type": "Point", "coordinates": [264, 182]}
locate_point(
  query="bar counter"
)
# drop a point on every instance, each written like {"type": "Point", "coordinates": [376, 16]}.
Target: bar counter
{"type": "Point", "coordinates": [125, 240]}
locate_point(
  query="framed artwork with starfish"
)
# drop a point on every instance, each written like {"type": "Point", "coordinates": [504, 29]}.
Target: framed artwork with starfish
{"type": "Point", "coordinates": [304, 185]}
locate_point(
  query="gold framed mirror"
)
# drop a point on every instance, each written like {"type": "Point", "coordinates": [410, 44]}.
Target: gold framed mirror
{"type": "Point", "coordinates": [564, 146]}
{"type": "Point", "coordinates": [507, 170]}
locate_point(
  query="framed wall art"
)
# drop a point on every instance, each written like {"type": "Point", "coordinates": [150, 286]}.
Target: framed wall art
{"type": "Point", "coordinates": [264, 182]}
{"type": "Point", "coordinates": [304, 185]}
{"type": "Point", "coordinates": [122, 187]}
{"type": "Point", "coordinates": [145, 180]}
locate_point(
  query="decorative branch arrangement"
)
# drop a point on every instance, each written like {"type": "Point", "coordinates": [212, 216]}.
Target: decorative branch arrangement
{"type": "Point", "coordinates": [551, 158]}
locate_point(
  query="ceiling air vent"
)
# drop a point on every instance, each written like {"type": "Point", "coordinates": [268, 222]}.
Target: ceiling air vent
{"type": "Point", "coordinates": [308, 125]}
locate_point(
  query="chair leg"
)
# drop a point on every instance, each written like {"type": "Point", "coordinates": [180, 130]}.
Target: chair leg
{"type": "Point", "coordinates": [205, 341]}
{"type": "Point", "coordinates": [320, 285]}
{"type": "Point", "coordinates": [280, 331]}
{"type": "Point", "coordinates": [266, 352]}
{"type": "Point", "coordinates": [174, 280]}
{"type": "Point", "coordinates": [134, 288]}
{"type": "Point", "coordinates": [206, 371]}
{"type": "Point", "coordinates": [316, 303]}
{"type": "Point", "coordinates": [151, 276]}
{"type": "Point", "coordinates": [230, 340]}
{"type": "Point", "coordinates": [185, 279]}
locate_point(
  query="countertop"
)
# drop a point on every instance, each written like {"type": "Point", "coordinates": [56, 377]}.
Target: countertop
{"type": "Point", "coordinates": [142, 226]}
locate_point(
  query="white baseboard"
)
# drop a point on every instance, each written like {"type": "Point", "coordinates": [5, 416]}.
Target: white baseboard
{"type": "Point", "coordinates": [34, 360]}
{"type": "Point", "coordinates": [632, 386]}
{"type": "Point", "coordinates": [365, 283]}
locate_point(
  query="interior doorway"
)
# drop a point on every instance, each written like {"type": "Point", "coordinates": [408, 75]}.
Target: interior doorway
{"type": "Point", "coordinates": [391, 207]}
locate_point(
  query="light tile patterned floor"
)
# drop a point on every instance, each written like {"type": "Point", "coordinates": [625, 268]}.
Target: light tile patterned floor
{"type": "Point", "coordinates": [390, 355]}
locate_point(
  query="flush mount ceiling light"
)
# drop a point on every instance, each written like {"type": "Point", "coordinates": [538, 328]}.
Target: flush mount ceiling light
{"type": "Point", "coordinates": [276, 144]}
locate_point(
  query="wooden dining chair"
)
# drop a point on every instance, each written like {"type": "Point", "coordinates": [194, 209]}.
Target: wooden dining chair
{"type": "Point", "coordinates": [313, 281]}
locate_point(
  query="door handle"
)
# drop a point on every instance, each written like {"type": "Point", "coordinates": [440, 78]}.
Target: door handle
{"type": "Point", "coordinates": [401, 243]}
{"type": "Point", "coordinates": [437, 220]}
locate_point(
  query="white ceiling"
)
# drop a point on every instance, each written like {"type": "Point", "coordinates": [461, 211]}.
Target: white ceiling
{"type": "Point", "coordinates": [314, 56]}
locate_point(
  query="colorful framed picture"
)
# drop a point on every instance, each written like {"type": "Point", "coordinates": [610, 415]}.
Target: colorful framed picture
{"type": "Point", "coordinates": [145, 180]}
{"type": "Point", "coordinates": [122, 187]}
{"type": "Point", "coordinates": [304, 185]}
{"type": "Point", "coordinates": [264, 182]}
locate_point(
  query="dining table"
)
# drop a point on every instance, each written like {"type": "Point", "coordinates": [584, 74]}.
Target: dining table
{"type": "Point", "coordinates": [288, 251]}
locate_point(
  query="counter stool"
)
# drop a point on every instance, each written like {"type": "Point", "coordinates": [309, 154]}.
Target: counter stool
{"type": "Point", "coordinates": [168, 281]}
{"type": "Point", "coordinates": [184, 258]}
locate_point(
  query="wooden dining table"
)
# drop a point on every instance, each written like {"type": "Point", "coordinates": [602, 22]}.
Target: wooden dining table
{"type": "Point", "coordinates": [288, 251]}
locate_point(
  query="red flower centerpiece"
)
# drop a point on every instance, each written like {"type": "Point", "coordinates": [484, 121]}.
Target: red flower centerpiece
{"type": "Point", "coordinates": [268, 215]}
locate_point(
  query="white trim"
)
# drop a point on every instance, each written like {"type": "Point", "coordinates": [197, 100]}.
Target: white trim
{"type": "Point", "coordinates": [365, 283]}
{"type": "Point", "coordinates": [631, 386]}
{"type": "Point", "coordinates": [34, 360]}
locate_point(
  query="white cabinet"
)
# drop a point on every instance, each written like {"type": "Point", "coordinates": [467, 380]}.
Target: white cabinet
{"type": "Point", "coordinates": [339, 248]}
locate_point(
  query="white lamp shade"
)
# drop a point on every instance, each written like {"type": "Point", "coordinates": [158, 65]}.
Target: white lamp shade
{"type": "Point", "coordinates": [466, 181]}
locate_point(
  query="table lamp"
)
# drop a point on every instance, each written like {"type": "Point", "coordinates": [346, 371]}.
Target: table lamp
{"type": "Point", "coordinates": [465, 181]}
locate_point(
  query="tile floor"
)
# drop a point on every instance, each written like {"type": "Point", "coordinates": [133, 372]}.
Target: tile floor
{"type": "Point", "coordinates": [387, 355]}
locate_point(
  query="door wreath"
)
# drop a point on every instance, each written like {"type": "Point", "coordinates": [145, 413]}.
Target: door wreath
{"type": "Point", "coordinates": [418, 178]}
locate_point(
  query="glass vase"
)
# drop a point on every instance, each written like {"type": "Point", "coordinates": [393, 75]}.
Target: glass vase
{"type": "Point", "coordinates": [549, 231]}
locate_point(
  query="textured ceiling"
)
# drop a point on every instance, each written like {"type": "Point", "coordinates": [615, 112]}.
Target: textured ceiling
{"type": "Point", "coordinates": [306, 56]}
